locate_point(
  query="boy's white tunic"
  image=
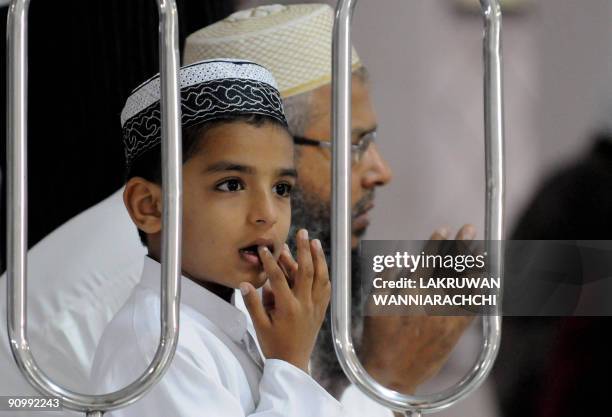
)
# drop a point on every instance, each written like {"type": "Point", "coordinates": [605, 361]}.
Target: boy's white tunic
{"type": "Point", "coordinates": [217, 369]}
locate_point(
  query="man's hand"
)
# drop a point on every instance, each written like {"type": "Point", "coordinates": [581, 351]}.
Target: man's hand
{"type": "Point", "coordinates": [402, 352]}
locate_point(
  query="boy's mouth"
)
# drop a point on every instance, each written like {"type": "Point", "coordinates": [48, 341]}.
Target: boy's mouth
{"type": "Point", "coordinates": [251, 255]}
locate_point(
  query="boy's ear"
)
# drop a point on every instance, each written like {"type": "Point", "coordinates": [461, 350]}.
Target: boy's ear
{"type": "Point", "coordinates": [143, 200]}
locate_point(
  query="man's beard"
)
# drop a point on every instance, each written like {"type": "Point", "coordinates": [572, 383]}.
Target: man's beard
{"type": "Point", "coordinates": [310, 213]}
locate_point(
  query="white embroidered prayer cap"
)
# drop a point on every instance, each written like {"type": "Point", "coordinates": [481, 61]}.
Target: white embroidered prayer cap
{"type": "Point", "coordinates": [210, 90]}
{"type": "Point", "coordinates": [293, 41]}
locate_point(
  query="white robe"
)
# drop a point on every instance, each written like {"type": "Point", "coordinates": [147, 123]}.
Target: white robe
{"type": "Point", "coordinates": [213, 373]}
{"type": "Point", "coordinates": [77, 284]}
{"type": "Point", "coordinates": [75, 287]}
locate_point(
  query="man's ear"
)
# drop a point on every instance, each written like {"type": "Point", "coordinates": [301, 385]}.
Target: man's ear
{"type": "Point", "coordinates": [143, 200]}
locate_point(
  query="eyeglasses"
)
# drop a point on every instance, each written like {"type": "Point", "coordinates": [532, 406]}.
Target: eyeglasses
{"type": "Point", "coordinates": [357, 149]}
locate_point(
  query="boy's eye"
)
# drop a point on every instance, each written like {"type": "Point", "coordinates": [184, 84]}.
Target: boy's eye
{"type": "Point", "coordinates": [231, 186]}
{"type": "Point", "coordinates": [283, 189]}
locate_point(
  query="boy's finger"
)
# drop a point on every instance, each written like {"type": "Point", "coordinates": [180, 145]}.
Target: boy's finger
{"type": "Point", "coordinates": [321, 272]}
{"type": "Point", "coordinates": [277, 278]}
{"type": "Point", "coordinates": [267, 296]}
{"type": "Point", "coordinates": [288, 261]}
{"type": "Point", "coordinates": [254, 306]}
{"type": "Point", "coordinates": [304, 276]}
{"type": "Point", "coordinates": [289, 266]}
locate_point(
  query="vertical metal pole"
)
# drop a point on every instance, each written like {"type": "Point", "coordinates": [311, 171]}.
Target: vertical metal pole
{"type": "Point", "coordinates": [17, 152]}
{"type": "Point", "coordinates": [172, 161]}
{"type": "Point", "coordinates": [341, 187]}
{"type": "Point", "coordinates": [341, 211]}
{"type": "Point", "coordinates": [92, 405]}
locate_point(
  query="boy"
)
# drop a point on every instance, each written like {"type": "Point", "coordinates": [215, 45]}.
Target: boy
{"type": "Point", "coordinates": [237, 177]}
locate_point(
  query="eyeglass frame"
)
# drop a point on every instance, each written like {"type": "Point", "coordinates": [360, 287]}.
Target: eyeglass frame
{"type": "Point", "coordinates": [357, 149]}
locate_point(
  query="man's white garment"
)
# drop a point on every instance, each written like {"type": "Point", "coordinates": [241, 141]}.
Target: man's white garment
{"type": "Point", "coordinates": [213, 372]}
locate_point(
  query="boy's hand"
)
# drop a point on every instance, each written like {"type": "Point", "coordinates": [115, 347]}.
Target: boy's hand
{"type": "Point", "coordinates": [288, 322]}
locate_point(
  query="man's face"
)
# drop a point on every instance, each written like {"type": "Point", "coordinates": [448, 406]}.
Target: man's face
{"type": "Point", "coordinates": [314, 163]}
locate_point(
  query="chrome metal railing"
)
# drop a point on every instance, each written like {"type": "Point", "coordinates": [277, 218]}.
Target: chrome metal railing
{"type": "Point", "coordinates": [92, 405]}
{"type": "Point", "coordinates": [341, 220]}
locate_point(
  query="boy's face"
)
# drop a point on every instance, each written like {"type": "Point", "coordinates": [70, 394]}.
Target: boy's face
{"type": "Point", "coordinates": [236, 195]}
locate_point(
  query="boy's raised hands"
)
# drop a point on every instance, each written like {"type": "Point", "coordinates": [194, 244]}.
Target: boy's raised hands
{"type": "Point", "coordinates": [294, 303]}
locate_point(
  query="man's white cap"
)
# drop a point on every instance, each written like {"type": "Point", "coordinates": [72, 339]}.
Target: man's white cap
{"type": "Point", "coordinates": [293, 42]}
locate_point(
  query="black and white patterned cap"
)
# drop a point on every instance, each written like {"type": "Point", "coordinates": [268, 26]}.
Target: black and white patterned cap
{"type": "Point", "coordinates": [210, 90]}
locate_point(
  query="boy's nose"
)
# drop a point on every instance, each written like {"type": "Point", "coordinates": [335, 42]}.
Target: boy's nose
{"type": "Point", "coordinates": [263, 211]}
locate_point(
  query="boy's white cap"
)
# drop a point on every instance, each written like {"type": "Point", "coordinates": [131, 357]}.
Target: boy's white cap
{"type": "Point", "coordinates": [294, 42]}
{"type": "Point", "coordinates": [210, 90]}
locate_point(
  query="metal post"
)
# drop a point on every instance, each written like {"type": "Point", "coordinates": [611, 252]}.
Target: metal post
{"type": "Point", "coordinates": [341, 209]}
{"type": "Point", "coordinates": [92, 405]}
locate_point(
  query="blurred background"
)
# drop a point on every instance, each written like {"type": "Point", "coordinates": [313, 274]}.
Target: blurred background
{"type": "Point", "coordinates": [425, 61]}
{"type": "Point", "coordinates": [424, 57]}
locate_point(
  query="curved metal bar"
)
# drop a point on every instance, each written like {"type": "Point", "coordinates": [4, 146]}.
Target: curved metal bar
{"type": "Point", "coordinates": [93, 405]}
{"type": "Point", "coordinates": [341, 209]}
